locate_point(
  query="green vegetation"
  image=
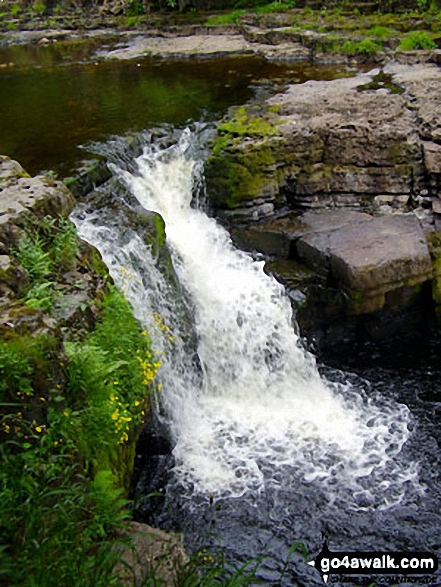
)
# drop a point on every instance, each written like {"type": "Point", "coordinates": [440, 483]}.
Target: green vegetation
{"type": "Point", "coordinates": [46, 250]}
{"type": "Point", "coordinates": [417, 40]}
{"type": "Point", "coordinates": [210, 568]}
{"type": "Point", "coordinates": [225, 19]}
{"type": "Point", "coordinates": [134, 8]}
{"type": "Point", "coordinates": [69, 423]}
{"type": "Point", "coordinates": [39, 8]}
{"type": "Point", "coordinates": [381, 32]}
{"type": "Point", "coordinates": [277, 6]}
{"type": "Point", "coordinates": [238, 175]}
{"type": "Point", "coordinates": [70, 412]}
{"type": "Point", "coordinates": [364, 47]}
{"type": "Point", "coordinates": [247, 122]}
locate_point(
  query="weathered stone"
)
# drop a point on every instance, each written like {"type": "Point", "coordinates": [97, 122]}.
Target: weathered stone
{"type": "Point", "coordinates": [423, 84]}
{"type": "Point", "coordinates": [436, 206]}
{"type": "Point", "coordinates": [325, 179]}
{"type": "Point", "coordinates": [278, 236]}
{"type": "Point", "coordinates": [22, 196]}
{"type": "Point", "coordinates": [10, 170]}
{"type": "Point", "coordinates": [149, 551]}
{"type": "Point", "coordinates": [432, 157]}
{"type": "Point", "coordinates": [12, 275]}
{"type": "Point", "coordinates": [371, 258]}
{"type": "Point", "coordinates": [18, 319]}
{"type": "Point", "coordinates": [330, 145]}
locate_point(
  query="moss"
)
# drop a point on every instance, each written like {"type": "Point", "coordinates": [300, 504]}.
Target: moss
{"type": "Point", "coordinates": [160, 229]}
{"type": "Point", "coordinates": [242, 174]}
{"type": "Point", "coordinates": [384, 81]}
{"type": "Point", "coordinates": [247, 122]}
{"type": "Point", "coordinates": [70, 182]}
{"type": "Point", "coordinates": [93, 261]}
{"type": "Point", "coordinates": [236, 173]}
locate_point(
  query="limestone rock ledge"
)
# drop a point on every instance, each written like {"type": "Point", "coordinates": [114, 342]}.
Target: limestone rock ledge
{"type": "Point", "coordinates": [367, 142]}
{"type": "Point", "coordinates": [23, 200]}
{"type": "Point", "coordinates": [373, 274]}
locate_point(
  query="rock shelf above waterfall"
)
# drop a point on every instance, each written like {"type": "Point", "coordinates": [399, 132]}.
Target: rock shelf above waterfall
{"type": "Point", "coordinates": [362, 142]}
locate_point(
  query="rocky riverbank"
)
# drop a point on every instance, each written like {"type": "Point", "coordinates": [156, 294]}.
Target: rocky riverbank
{"type": "Point", "coordinates": [370, 144]}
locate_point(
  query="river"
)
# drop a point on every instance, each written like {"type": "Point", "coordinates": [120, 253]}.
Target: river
{"type": "Point", "coordinates": [269, 447]}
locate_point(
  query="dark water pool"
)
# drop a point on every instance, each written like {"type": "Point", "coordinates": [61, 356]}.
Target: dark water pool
{"type": "Point", "coordinates": [54, 98]}
{"type": "Point", "coordinates": [268, 524]}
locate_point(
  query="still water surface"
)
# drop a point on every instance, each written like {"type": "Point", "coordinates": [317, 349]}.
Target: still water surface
{"type": "Point", "coordinates": [54, 98]}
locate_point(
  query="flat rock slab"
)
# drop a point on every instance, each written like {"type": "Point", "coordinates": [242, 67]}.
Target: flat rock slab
{"type": "Point", "coordinates": [371, 257]}
{"type": "Point", "coordinates": [200, 46]}
{"type": "Point", "coordinates": [204, 46]}
{"type": "Point", "coordinates": [277, 236]}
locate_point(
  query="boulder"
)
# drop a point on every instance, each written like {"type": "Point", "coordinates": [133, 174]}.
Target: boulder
{"type": "Point", "coordinates": [369, 259]}
{"type": "Point", "coordinates": [22, 196]}
{"type": "Point", "coordinates": [147, 552]}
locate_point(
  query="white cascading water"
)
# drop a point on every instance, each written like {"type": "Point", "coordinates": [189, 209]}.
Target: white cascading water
{"type": "Point", "coordinates": [259, 416]}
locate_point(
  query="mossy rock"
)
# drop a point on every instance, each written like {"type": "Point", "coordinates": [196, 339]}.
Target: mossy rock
{"type": "Point", "coordinates": [245, 156]}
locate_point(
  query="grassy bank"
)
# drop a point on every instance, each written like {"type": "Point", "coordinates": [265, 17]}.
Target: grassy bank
{"type": "Point", "coordinates": [72, 404]}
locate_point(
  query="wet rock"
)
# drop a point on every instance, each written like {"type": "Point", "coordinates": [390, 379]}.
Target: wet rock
{"type": "Point", "coordinates": [152, 469]}
{"type": "Point", "coordinates": [89, 175]}
{"type": "Point", "coordinates": [278, 236]}
{"type": "Point", "coordinates": [370, 259]}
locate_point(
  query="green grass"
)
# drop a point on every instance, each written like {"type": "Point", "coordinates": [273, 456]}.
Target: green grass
{"type": "Point", "coordinates": [366, 47]}
{"type": "Point", "coordinates": [225, 19]}
{"type": "Point", "coordinates": [417, 40]}
{"type": "Point", "coordinates": [276, 6]}
{"type": "Point", "coordinates": [381, 32]}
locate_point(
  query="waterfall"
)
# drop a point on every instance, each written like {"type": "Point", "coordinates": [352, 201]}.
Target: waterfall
{"type": "Point", "coordinates": [252, 413]}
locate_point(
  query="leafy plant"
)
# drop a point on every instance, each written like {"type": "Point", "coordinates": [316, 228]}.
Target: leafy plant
{"type": "Point", "coordinates": [417, 40]}
{"type": "Point", "coordinates": [381, 32]}
{"type": "Point", "coordinates": [65, 448]}
{"type": "Point", "coordinates": [135, 8]}
{"type": "Point", "coordinates": [65, 245]}
{"type": "Point", "coordinates": [133, 21]}
{"type": "Point", "coordinates": [39, 8]}
{"type": "Point", "coordinates": [42, 295]}
{"type": "Point", "coordinates": [15, 9]}
{"type": "Point", "coordinates": [364, 47]}
{"type": "Point", "coordinates": [47, 249]}
{"type": "Point", "coordinates": [15, 372]}
{"type": "Point", "coordinates": [33, 258]}
{"type": "Point", "coordinates": [276, 6]}
{"type": "Point", "coordinates": [110, 378]}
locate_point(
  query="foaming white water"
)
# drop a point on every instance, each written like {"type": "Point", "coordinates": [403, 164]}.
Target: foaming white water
{"type": "Point", "coordinates": [260, 415]}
